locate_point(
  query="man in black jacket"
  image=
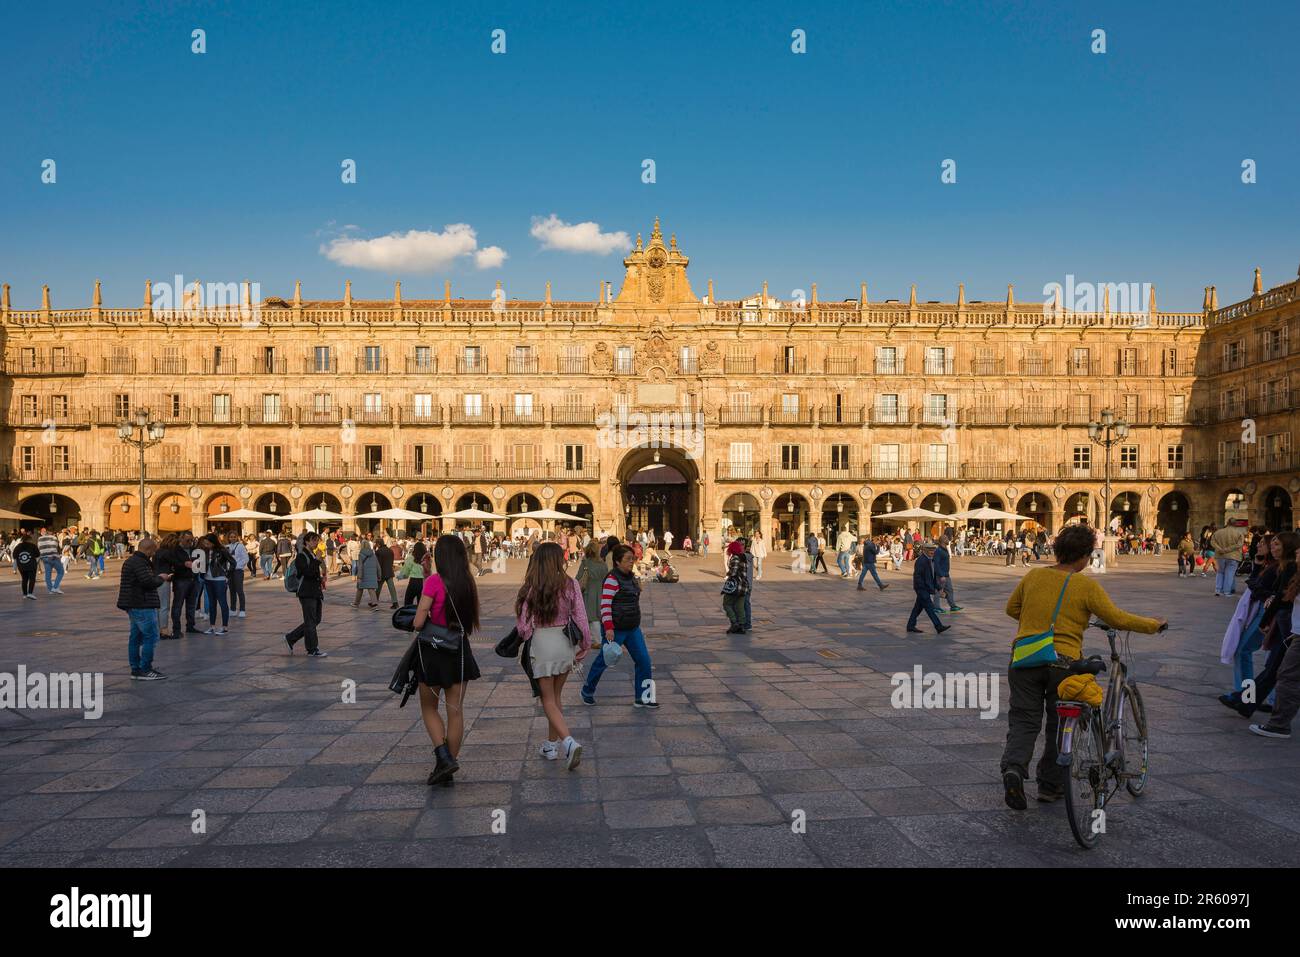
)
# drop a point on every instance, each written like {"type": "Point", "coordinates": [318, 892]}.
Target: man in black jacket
{"type": "Point", "coordinates": [311, 596]}
{"type": "Point", "coordinates": [176, 563]}
{"type": "Point", "coordinates": [384, 555]}
{"type": "Point", "coordinates": [138, 597]}
{"type": "Point", "coordinates": [925, 584]}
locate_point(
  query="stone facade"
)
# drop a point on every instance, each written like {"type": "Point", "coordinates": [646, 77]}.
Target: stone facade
{"type": "Point", "coordinates": [757, 412]}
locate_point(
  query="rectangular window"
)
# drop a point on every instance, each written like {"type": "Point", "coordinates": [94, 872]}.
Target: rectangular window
{"type": "Point", "coordinates": [1177, 406]}
{"type": "Point", "coordinates": [121, 406]}
{"type": "Point", "coordinates": [269, 359]}
{"type": "Point", "coordinates": [1128, 461]}
{"type": "Point", "coordinates": [423, 359]}
{"type": "Point", "coordinates": [523, 404]}
{"type": "Point", "coordinates": [473, 404]}
{"type": "Point", "coordinates": [790, 403]}
{"type": "Point", "coordinates": [221, 408]}
{"type": "Point", "coordinates": [423, 405]}
{"type": "Point", "coordinates": [936, 409]}
{"type": "Point", "coordinates": [887, 408]}
{"type": "Point", "coordinates": [1035, 363]}
{"type": "Point", "coordinates": [373, 402]}
{"type": "Point", "coordinates": [322, 403]}
{"type": "Point", "coordinates": [271, 457]}
{"type": "Point", "coordinates": [1174, 461]}
{"type": "Point", "coordinates": [472, 456]}
{"type": "Point", "coordinates": [59, 405]}
{"type": "Point", "coordinates": [740, 457]}
{"type": "Point", "coordinates": [1128, 362]}
{"type": "Point", "coordinates": [1080, 361]}
{"type": "Point", "coordinates": [172, 404]}
{"type": "Point", "coordinates": [28, 458]}
{"type": "Point", "coordinates": [623, 359]}
{"type": "Point", "coordinates": [1082, 461]}
{"type": "Point", "coordinates": [28, 406]}
{"type": "Point", "coordinates": [322, 360]}
{"type": "Point", "coordinates": [373, 457]}
{"type": "Point", "coordinates": [574, 360]}
{"type": "Point", "coordinates": [472, 358]}
{"type": "Point", "coordinates": [1080, 407]}
{"type": "Point", "coordinates": [789, 361]}
{"type": "Point", "coordinates": [790, 458]}
{"type": "Point", "coordinates": [839, 458]}
{"type": "Point", "coordinates": [622, 405]}
{"type": "Point", "coordinates": [59, 458]}
{"type": "Point", "coordinates": [1169, 362]}
{"type": "Point", "coordinates": [322, 456]}
{"type": "Point", "coordinates": [524, 456]}
{"type": "Point", "coordinates": [739, 401]}
{"type": "Point", "coordinates": [936, 461]}
{"type": "Point", "coordinates": [270, 407]}
{"type": "Point", "coordinates": [221, 457]}
{"type": "Point", "coordinates": [888, 361]}
{"type": "Point", "coordinates": [372, 359]}
{"type": "Point", "coordinates": [936, 360]}
{"type": "Point", "coordinates": [887, 461]}
{"type": "Point", "coordinates": [1130, 407]}
{"type": "Point", "coordinates": [574, 456]}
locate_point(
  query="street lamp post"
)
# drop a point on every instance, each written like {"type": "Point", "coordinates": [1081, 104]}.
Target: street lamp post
{"type": "Point", "coordinates": [1108, 432]}
{"type": "Point", "coordinates": [142, 433]}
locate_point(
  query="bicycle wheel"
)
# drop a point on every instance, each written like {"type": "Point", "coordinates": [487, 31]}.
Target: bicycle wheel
{"type": "Point", "coordinates": [1136, 760]}
{"type": "Point", "coordinates": [1086, 785]}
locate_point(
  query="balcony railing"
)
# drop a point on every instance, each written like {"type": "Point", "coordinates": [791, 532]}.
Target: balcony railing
{"type": "Point", "coordinates": [471, 366]}
{"type": "Point", "coordinates": [264, 365]}
{"type": "Point", "coordinates": [1036, 366]}
{"type": "Point", "coordinates": [45, 365]}
{"type": "Point", "coordinates": [116, 365]}
{"type": "Point", "coordinates": [370, 416]}
{"type": "Point", "coordinates": [573, 365]}
{"type": "Point", "coordinates": [220, 366]}
{"type": "Point", "coordinates": [217, 417]}
{"type": "Point", "coordinates": [740, 416]}
{"type": "Point", "coordinates": [890, 366]}
{"type": "Point", "coordinates": [461, 416]}
{"type": "Point", "coordinates": [888, 416]}
{"type": "Point", "coordinates": [937, 366]}
{"type": "Point", "coordinates": [1083, 367]}
{"type": "Point", "coordinates": [431, 415]}
{"type": "Point", "coordinates": [688, 366]}
{"type": "Point", "coordinates": [790, 417]}
{"type": "Point", "coordinates": [1131, 367]}
{"type": "Point", "coordinates": [38, 419]}
{"type": "Point", "coordinates": [738, 365]}
{"type": "Point", "coordinates": [624, 366]}
{"type": "Point", "coordinates": [790, 365]}
{"type": "Point", "coordinates": [513, 416]}
{"type": "Point", "coordinates": [320, 365]}
{"type": "Point", "coordinates": [260, 415]}
{"type": "Point", "coordinates": [842, 416]}
{"type": "Point", "coordinates": [189, 471]}
{"type": "Point", "coordinates": [841, 365]}
{"type": "Point", "coordinates": [373, 365]}
{"type": "Point", "coordinates": [568, 415]}
{"type": "Point", "coordinates": [314, 416]}
{"type": "Point", "coordinates": [168, 365]}
{"type": "Point", "coordinates": [988, 367]}
{"type": "Point", "coordinates": [416, 365]}
{"type": "Point", "coordinates": [521, 365]}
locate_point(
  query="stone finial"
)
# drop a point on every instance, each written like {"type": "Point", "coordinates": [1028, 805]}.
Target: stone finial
{"type": "Point", "coordinates": [863, 295]}
{"type": "Point", "coordinates": [4, 297]}
{"type": "Point", "coordinates": [99, 298]}
{"type": "Point", "coordinates": [911, 298]}
{"type": "Point", "coordinates": [1151, 303]}
{"type": "Point", "coordinates": [548, 292]}
{"type": "Point", "coordinates": [347, 292]}
{"type": "Point", "coordinates": [148, 294]}
{"type": "Point", "coordinates": [45, 298]}
{"type": "Point", "coordinates": [1105, 301]}
{"type": "Point", "coordinates": [961, 295]}
{"type": "Point", "coordinates": [1011, 295]}
{"type": "Point", "coordinates": [638, 242]}
{"type": "Point", "coordinates": [446, 291]}
{"type": "Point", "coordinates": [1259, 282]}
{"type": "Point", "coordinates": [246, 293]}
{"type": "Point", "coordinates": [814, 294]}
{"type": "Point", "coordinates": [655, 235]}
{"type": "Point", "coordinates": [673, 242]}
{"type": "Point", "coordinates": [762, 304]}
{"type": "Point", "coordinates": [1214, 298]}
{"type": "Point", "coordinates": [1056, 299]}
{"type": "Point", "coordinates": [711, 299]}
{"type": "Point", "coordinates": [297, 292]}
{"type": "Point", "coordinates": [1205, 300]}
{"type": "Point", "coordinates": [397, 293]}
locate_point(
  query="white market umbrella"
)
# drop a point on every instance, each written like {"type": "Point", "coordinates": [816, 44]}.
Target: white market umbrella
{"type": "Point", "coordinates": [18, 516]}
{"type": "Point", "coordinates": [398, 515]}
{"type": "Point", "coordinates": [545, 513]}
{"type": "Point", "coordinates": [475, 514]}
{"type": "Point", "coordinates": [243, 513]}
{"type": "Point", "coordinates": [986, 514]}
{"type": "Point", "coordinates": [315, 515]}
{"type": "Point", "coordinates": [911, 513]}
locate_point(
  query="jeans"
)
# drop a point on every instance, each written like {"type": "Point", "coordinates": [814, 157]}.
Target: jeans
{"type": "Point", "coordinates": [100, 563]}
{"type": "Point", "coordinates": [216, 591]}
{"type": "Point", "coordinates": [144, 636]}
{"type": "Point", "coordinates": [268, 563]}
{"type": "Point", "coordinates": [311, 615]}
{"type": "Point", "coordinates": [869, 570]}
{"type": "Point", "coordinates": [1033, 694]}
{"type": "Point", "coordinates": [945, 589]}
{"type": "Point", "coordinates": [53, 566]}
{"type": "Point", "coordinates": [164, 606]}
{"type": "Point", "coordinates": [1226, 579]}
{"type": "Point", "coordinates": [813, 559]}
{"type": "Point", "coordinates": [758, 568]}
{"type": "Point", "coordinates": [237, 600]}
{"type": "Point", "coordinates": [1243, 662]}
{"type": "Point", "coordinates": [749, 618]}
{"type": "Point", "coordinates": [924, 604]}
{"type": "Point", "coordinates": [633, 642]}
{"type": "Point", "coordinates": [185, 593]}
{"type": "Point", "coordinates": [842, 560]}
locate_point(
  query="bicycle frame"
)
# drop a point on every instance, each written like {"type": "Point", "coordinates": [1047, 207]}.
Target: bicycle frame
{"type": "Point", "coordinates": [1075, 714]}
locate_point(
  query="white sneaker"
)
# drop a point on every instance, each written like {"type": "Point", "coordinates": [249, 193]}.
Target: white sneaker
{"type": "Point", "coordinates": [211, 631]}
{"type": "Point", "coordinates": [221, 631]}
{"type": "Point", "coordinates": [57, 591]}
{"type": "Point", "coordinates": [32, 597]}
{"type": "Point", "coordinates": [243, 615]}
{"type": "Point", "coordinates": [551, 750]}
{"type": "Point", "coordinates": [572, 753]}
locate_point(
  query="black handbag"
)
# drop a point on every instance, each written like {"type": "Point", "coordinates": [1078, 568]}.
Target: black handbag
{"type": "Point", "coordinates": [573, 632]}
{"type": "Point", "coordinates": [508, 647]}
{"type": "Point", "coordinates": [404, 618]}
{"type": "Point", "coordinates": [444, 637]}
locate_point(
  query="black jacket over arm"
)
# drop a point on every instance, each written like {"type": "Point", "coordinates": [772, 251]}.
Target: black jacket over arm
{"type": "Point", "coordinates": [139, 587]}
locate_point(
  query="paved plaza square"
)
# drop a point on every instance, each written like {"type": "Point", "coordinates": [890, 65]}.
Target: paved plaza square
{"type": "Point", "coordinates": [794, 717]}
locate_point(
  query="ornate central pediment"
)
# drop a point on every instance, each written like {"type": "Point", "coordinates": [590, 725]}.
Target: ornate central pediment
{"type": "Point", "coordinates": [655, 274]}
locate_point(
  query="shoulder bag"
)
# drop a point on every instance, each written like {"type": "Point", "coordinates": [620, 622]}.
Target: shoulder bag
{"type": "Point", "coordinates": [1039, 649]}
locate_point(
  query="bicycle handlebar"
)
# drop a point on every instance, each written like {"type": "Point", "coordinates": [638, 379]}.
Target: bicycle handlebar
{"type": "Point", "coordinates": [1097, 623]}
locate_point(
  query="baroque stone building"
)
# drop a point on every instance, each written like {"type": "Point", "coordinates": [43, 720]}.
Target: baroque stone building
{"type": "Point", "coordinates": [649, 408]}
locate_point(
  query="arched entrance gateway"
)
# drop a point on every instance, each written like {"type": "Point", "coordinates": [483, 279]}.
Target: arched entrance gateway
{"type": "Point", "coordinates": [1172, 514]}
{"type": "Point", "coordinates": [1276, 502]}
{"type": "Point", "coordinates": [659, 489]}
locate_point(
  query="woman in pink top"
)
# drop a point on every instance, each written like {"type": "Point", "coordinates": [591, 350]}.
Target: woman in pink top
{"type": "Point", "coordinates": [547, 601]}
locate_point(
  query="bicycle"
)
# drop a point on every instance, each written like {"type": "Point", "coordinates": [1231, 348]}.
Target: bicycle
{"type": "Point", "coordinates": [1102, 748]}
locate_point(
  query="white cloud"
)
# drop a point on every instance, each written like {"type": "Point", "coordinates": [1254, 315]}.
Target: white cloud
{"type": "Point", "coordinates": [415, 251]}
{"type": "Point", "coordinates": [554, 233]}
{"type": "Point", "coordinates": [489, 257]}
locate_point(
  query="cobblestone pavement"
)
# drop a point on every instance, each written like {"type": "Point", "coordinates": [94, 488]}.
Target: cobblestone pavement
{"type": "Point", "coordinates": [795, 716]}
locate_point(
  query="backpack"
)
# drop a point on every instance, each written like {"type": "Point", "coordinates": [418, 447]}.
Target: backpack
{"type": "Point", "coordinates": [292, 577]}
{"type": "Point", "coordinates": [220, 564]}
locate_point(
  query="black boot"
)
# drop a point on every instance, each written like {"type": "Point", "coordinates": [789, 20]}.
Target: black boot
{"type": "Point", "coordinates": [445, 767]}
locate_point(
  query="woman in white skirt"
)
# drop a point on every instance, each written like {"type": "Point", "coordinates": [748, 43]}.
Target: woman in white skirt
{"type": "Point", "coordinates": [548, 600]}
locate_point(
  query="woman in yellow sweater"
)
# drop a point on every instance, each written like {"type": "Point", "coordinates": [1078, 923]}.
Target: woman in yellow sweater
{"type": "Point", "coordinates": [1033, 689]}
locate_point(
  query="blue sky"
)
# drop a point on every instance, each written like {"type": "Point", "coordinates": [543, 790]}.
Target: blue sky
{"type": "Point", "coordinates": [825, 166]}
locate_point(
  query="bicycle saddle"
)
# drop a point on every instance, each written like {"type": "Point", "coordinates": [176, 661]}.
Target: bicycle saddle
{"type": "Point", "coordinates": [1087, 666]}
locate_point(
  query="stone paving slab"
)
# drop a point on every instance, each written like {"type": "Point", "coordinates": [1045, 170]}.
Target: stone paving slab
{"type": "Point", "coordinates": [794, 719]}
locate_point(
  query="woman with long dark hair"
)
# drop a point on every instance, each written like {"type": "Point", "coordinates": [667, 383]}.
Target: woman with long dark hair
{"type": "Point", "coordinates": [1276, 624]}
{"type": "Point", "coordinates": [449, 598]}
{"type": "Point", "coordinates": [547, 602]}
{"type": "Point", "coordinates": [217, 566]}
